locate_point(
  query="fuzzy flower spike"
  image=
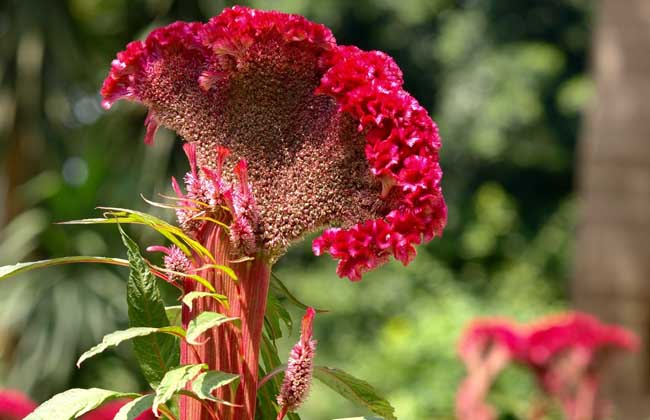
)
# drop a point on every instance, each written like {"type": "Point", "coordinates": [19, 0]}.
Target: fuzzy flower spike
{"type": "Point", "coordinates": [320, 135]}
{"type": "Point", "coordinates": [298, 376]}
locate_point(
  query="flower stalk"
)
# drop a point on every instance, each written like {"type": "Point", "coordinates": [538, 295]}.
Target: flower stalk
{"type": "Point", "coordinates": [229, 348]}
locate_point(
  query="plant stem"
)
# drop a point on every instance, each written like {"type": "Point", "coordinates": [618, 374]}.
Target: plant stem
{"type": "Point", "coordinates": [229, 348]}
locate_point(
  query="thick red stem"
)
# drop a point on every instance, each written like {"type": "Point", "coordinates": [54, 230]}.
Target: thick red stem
{"type": "Point", "coordinates": [229, 348]}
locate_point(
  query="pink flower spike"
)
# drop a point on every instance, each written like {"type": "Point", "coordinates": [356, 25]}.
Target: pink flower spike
{"type": "Point", "coordinates": [175, 260]}
{"type": "Point", "coordinates": [298, 376]}
{"type": "Point", "coordinates": [177, 188]}
{"type": "Point", "coordinates": [15, 405]}
{"type": "Point", "coordinates": [241, 171]}
{"type": "Point", "coordinates": [222, 155]}
{"type": "Point", "coordinates": [307, 326]}
{"type": "Point", "coordinates": [190, 152]}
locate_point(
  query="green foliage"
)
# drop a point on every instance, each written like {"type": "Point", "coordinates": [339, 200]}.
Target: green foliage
{"type": "Point", "coordinates": [174, 381]}
{"type": "Point", "coordinates": [173, 233]}
{"type": "Point", "coordinates": [12, 270]}
{"type": "Point", "coordinates": [74, 403]}
{"type": "Point", "coordinates": [132, 409]}
{"type": "Point", "coordinates": [117, 337]}
{"type": "Point", "coordinates": [207, 382]}
{"type": "Point", "coordinates": [156, 353]}
{"type": "Point", "coordinates": [190, 297]}
{"type": "Point", "coordinates": [355, 390]}
{"type": "Point", "coordinates": [174, 314]}
{"type": "Point", "coordinates": [203, 322]}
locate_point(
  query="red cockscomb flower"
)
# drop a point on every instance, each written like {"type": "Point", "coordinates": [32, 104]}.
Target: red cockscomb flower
{"type": "Point", "coordinates": [551, 336]}
{"type": "Point", "coordinates": [15, 405]}
{"type": "Point", "coordinates": [320, 135]}
{"type": "Point", "coordinates": [486, 347]}
{"type": "Point", "coordinates": [563, 351]}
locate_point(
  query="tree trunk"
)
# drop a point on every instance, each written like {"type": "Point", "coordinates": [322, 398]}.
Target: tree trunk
{"type": "Point", "coordinates": [612, 278]}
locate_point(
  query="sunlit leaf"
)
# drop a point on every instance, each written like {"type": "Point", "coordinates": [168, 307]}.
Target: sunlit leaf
{"type": "Point", "coordinates": [12, 270]}
{"type": "Point", "coordinates": [133, 409]}
{"type": "Point", "coordinates": [194, 277]}
{"type": "Point", "coordinates": [207, 382]}
{"type": "Point", "coordinates": [203, 322]}
{"type": "Point", "coordinates": [74, 403]}
{"type": "Point", "coordinates": [115, 338]}
{"type": "Point", "coordinates": [174, 381]}
{"type": "Point", "coordinates": [156, 353]}
{"type": "Point", "coordinates": [171, 232]}
{"type": "Point", "coordinates": [223, 268]}
{"type": "Point", "coordinates": [355, 390]}
{"type": "Point", "coordinates": [190, 297]}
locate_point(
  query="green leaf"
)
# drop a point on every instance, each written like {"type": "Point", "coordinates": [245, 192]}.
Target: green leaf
{"type": "Point", "coordinates": [171, 232]}
{"type": "Point", "coordinates": [174, 381]}
{"type": "Point", "coordinates": [115, 338]}
{"type": "Point", "coordinates": [276, 312]}
{"type": "Point", "coordinates": [207, 382]}
{"type": "Point", "coordinates": [362, 418]}
{"type": "Point", "coordinates": [133, 409]}
{"type": "Point", "coordinates": [74, 403]}
{"type": "Point", "coordinates": [223, 268]}
{"type": "Point", "coordinates": [11, 270]}
{"type": "Point", "coordinates": [174, 315]}
{"type": "Point", "coordinates": [203, 322]}
{"type": "Point", "coordinates": [279, 289]}
{"type": "Point", "coordinates": [156, 353]}
{"type": "Point", "coordinates": [355, 390]}
{"type": "Point", "coordinates": [194, 277]}
{"type": "Point", "coordinates": [189, 298]}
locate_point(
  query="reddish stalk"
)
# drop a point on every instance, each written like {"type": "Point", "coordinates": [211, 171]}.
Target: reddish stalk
{"type": "Point", "coordinates": [229, 348]}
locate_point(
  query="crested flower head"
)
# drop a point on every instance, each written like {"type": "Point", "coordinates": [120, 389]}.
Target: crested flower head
{"type": "Point", "coordinates": [327, 135]}
{"type": "Point", "coordinates": [549, 338]}
{"type": "Point", "coordinates": [562, 351]}
{"type": "Point", "coordinates": [483, 334]}
{"type": "Point", "coordinates": [298, 376]}
{"type": "Point", "coordinates": [14, 405]}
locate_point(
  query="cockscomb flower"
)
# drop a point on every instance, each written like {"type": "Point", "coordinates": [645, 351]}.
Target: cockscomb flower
{"type": "Point", "coordinates": [563, 351]}
{"type": "Point", "coordinates": [487, 346]}
{"type": "Point", "coordinates": [298, 376]}
{"type": "Point", "coordinates": [14, 405]}
{"type": "Point", "coordinates": [326, 133]}
{"type": "Point", "coordinates": [551, 336]}
{"type": "Point", "coordinates": [485, 333]}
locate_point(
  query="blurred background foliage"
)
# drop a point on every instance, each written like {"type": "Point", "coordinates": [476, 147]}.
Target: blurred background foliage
{"type": "Point", "coordinates": [505, 80]}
